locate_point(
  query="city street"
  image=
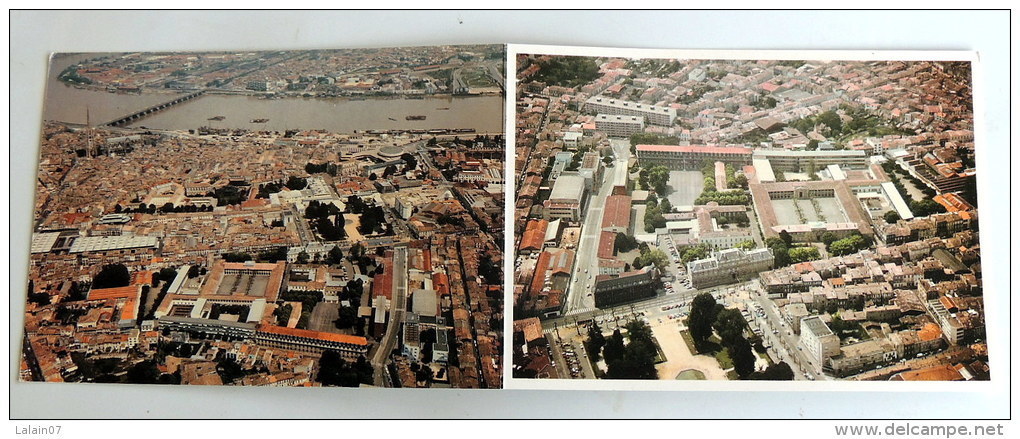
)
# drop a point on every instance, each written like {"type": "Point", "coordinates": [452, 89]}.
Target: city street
{"type": "Point", "coordinates": [788, 341]}
{"type": "Point", "coordinates": [582, 281]}
{"type": "Point", "coordinates": [399, 304]}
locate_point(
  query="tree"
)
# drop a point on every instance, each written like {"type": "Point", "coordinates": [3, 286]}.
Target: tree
{"type": "Point", "coordinates": [112, 276]}
{"type": "Point", "coordinates": [695, 252]}
{"type": "Point", "coordinates": [703, 315]}
{"type": "Point", "coordinates": [848, 245]}
{"type": "Point", "coordinates": [740, 181]}
{"type": "Point", "coordinates": [228, 370]}
{"type": "Point", "coordinates": [282, 314]}
{"type": "Point", "coordinates": [236, 257]}
{"type": "Point", "coordinates": [638, 360]}
{"type": "Point", "coordinates": [828, 238]}
{"type": "Point", "coordinates": [743, 358]}
{"type": "Point", "coordinates": [776, 372]}
{"type": "Point", "coordinates": [335, 255]}
{"type": "Point", "coordinates": [651, 257]}
{"type": "Point", "coordinates": [779, 250]}
{"type": "Point", "coordinates": [296, 183]}
{"type": "Point", "coordinates": [355, 204]}
{"type": "Point", "coordinates": [891, 217]}
{"type": "Point", "coordinates": [302, 258]}
{"type": "Point", "coordinates": [654, 219]}
{"type": "Point", "coordinates": [730, 325]}
{"type": "Point", "coordinates": [613, 349]}
{"type": "Point", "coordinates": [625, 242]}
{"type": "Point", "coordinates": [334, 371]}
{"type": "Point", "coordinates": [786, 237]}
{"type": "Point", "coordinates": [926, 207]}
{"type": "Point", "coordinates": [356, 251]}
{"type": "Point", "coordinates": [348, 317]}
{"type": "Point", "coordinates": [658, 176]}
{"type": "Point", "coordinates": [803, 254]}
{"type": "Point", "coordinates": [665, 206]}
{"type": "Point", "coordinates": [274, 254]}
{"type": "Point", "coordinates": [411, 163]}
{"type": "Point", "coordinates": [595, 341]}
{"type": "Point", "coordinates": [144, 372]}
{"type": "Point", "coordinates": [746, 245]}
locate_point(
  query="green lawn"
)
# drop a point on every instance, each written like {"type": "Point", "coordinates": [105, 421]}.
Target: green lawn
{"type": "Point", "coordinates": [660, 357]}
{"type": "Point", "coordinates": [691, 374]}
{"type": "Point", "coordinates": [686, 335]}
{"type": "Point", "coordinates": [724, 360]}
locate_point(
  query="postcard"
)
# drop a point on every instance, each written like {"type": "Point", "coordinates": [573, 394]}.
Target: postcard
{"type": "Point", "coordinates": [804, 220]}
{"type": "Point", "coordinates": [285, 218]}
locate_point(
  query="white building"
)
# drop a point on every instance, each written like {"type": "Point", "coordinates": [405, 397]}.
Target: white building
{"type": "Point", "coordinates": [571, 139]}
{"type": "Point", "coordinates": [729, 266]}
{"type": "Point", "coordinates": [653, 114]}
{"type": "Point", "coordinates": [818, 340]}
{"type": "Point", "coordinates": [614, 125]}
{"type": "Point", "coordinates": [568, 197]}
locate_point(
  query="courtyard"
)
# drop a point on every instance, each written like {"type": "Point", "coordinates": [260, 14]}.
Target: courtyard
{"type": "Point", "coordinates": [803, 211]}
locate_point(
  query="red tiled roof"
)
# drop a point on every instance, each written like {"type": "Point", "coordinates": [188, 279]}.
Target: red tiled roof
{"type": "Point", "coordinates": [541, 266]}
{"type": "Point", "coordinates": [113, 293]}
{"type": "Point", "coordinates": [695, 149]}
{"type": "Point", "coordinates": [534, 235]}
{"type": "Point", "coordinates": [929, 332]}
{"type": "Point", "coordinates": [382, 284]}
{"type": "Point", "coordinates": [607, 241]}
{"type": "Point", "coordinates": [143, 277]}
{"type": "Point", "coordinates": [943, 372]}
{"type": "Point", "coordinates": [617, 211]}
{"type": "Point", "coordinates": [325, 336]}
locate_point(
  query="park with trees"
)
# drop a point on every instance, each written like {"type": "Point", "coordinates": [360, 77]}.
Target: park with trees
{"type": "Point", "coordinates": [716, 330]}
{"type": "Point", "coordinates": [632, 356]}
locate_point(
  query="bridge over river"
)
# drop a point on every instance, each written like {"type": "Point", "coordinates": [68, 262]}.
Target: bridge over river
{"type": "Point", "coordinates": [153, 109]}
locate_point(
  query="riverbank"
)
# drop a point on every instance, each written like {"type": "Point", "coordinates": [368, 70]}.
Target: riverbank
{"type": "Point", "coordinates": [270, 95]}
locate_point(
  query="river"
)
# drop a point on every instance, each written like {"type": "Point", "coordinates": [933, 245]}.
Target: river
{"type": "Point", "coordinates": [69, 104]}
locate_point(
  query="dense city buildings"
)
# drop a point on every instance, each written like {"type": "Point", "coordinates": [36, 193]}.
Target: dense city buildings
{"type": "Point", "coordinates": [751, 219]}
{"type": "Point", "coordinates": [228, 252]}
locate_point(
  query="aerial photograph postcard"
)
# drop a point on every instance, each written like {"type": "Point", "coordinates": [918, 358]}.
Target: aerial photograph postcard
{"type": "Point", "coordinates": [772, 219]}
{"type": "Point", "coordinates": [270, 218]}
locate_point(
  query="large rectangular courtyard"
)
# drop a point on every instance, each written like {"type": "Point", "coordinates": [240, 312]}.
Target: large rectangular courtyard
{"type": "Point", "coordinates": [685, 187]}
{"type": "Point", "coordinates": [824, 210]}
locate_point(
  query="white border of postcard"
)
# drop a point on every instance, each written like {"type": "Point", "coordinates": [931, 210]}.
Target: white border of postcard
{"type": "Point", "coordinates": [996, 321]}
